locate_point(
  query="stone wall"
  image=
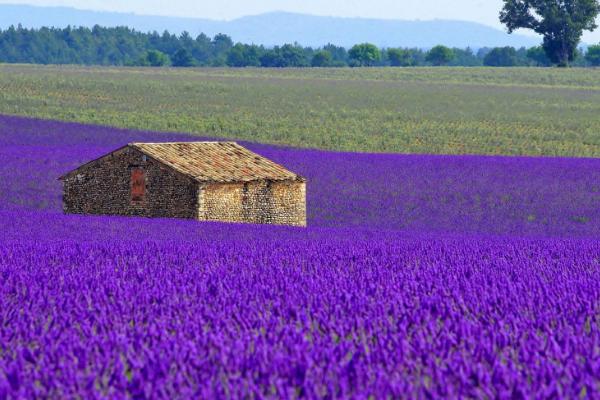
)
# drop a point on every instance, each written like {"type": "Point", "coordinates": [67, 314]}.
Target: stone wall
{"type": "Point", "coordinates": [260, 202]}
{"type": "Point", "coordinates": [289, 203]}
{"type": "Point", "coordinates": [221, 202]}
{"type": "Point", "coordinates": [104, 187]}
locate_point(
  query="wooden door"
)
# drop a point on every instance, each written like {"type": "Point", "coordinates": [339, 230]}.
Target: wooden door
{"type": "Point", "coordinates": [138, 185]}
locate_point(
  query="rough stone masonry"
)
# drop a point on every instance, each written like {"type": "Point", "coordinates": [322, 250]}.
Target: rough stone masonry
{"type": "Point", "coordinates": [207, 181]}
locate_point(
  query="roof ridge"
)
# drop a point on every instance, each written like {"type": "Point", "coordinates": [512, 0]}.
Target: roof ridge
{"type": "Point", "coordinates": [196, 142]}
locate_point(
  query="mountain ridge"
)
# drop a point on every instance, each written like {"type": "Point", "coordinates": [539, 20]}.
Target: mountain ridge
{"type": "Point", "coordinates": [279, 27]}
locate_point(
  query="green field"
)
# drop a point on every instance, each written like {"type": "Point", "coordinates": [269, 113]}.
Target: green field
{"type": "Point", "coordinates": [422, 110]}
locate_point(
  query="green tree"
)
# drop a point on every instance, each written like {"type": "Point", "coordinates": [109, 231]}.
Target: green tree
{"type": "Point", "coordinates": [322, 58]}
{"type": "Point", "coordinates": [270, 58]}
{"type": "Point", "coordinates": [293, 55]}
{"type": "Point", "coordinates": [439, 55]}
{"type": "Point", "coordinates": [287, 55]}
{"type": "Point", "coordinates": [560, 22]}
{"type": "Point", "coordinates": [339, 55]}
{"type": "Point", "coordinates": [221, 44]}
{"type": "Point", "coordinates": [593, 55]}
{"type": "Point", "coordinates": [169, 43]}
{"type": "Point", "coordinates": [365, 54]}
{"type": "Point", "coordinates": [182, 58]}
{"type": "Point", "coordinates": [465, 58]}
{"type": "Point", "coordinates": [202, 50]}
{"type": "Point", "coordinates": [243, 55]}
{"type": "Point", "coordinates": [538, 56]}
{"type": "Point", "coordinates": [156, 58]}
{"type": "Point", "coordinates": [501, 57]}
{"type": "Point", "coordinates": [400, 57]}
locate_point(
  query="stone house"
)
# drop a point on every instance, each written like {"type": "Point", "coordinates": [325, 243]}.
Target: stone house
{"type": "Point", "coordinates": [207, 181]}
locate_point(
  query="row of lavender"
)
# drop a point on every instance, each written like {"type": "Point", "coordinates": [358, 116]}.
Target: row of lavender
{"type": "Point", "coordinates": [470, 194]}
{"type": "Point", "coordinates": [479, 318]}
{"type": "Point", "coordinates": [410, 281]}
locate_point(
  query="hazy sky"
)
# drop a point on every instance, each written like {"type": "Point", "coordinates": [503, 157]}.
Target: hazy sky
{"type": "Point", "coordinates": [483, 11]}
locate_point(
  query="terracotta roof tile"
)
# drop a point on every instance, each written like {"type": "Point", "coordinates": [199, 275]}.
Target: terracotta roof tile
{"type": "Point", "coordinates": [215, 161]}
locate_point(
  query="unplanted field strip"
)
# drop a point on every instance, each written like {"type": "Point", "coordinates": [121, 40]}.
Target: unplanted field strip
{"type": "Point", "coordinates": [287, 75]}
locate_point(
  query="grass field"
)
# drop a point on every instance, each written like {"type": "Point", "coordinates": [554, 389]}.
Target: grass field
{"type": "Point", "coordinates": [425, 110]}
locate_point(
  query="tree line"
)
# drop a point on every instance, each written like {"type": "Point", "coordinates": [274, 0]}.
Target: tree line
{"type": "Point", "coordinates": [122, 46]}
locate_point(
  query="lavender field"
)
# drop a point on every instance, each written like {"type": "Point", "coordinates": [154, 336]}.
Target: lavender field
{"type": "Point", "coordinates": [418, 277]}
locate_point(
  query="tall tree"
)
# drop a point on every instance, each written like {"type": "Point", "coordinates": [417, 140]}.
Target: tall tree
{"type": "Point", "coordinates": [322, 58]}
{"type": "Point", "coordinates": [221, 44]}
{"type": "Point", "coordinates": [244, 55]}
{"type": "Point", "coordinates": [288, 55]}
{"type": "Point", "coordinates": [365, 54]}
{"type": "Point", "coordinates": [593, 55]}
{"type": "Point", "coordinates": [538, 56]}
{"type": "Point", "coordinates": [182, 58]}
{"type": "Point", "coordinates": [560, 22]}
{"type": "Point", "coordinates": [293, 55]}
{"type": "Point", "coordinates": [465, 57]}
{"type": "Point", "coordinates": [440, 55]}
{"type": "Point", "coordinates": [339, 55]}
{"type": "Point", "coordinates": [400, 57]}
{"type": "Point", "coordinates": [501, 57]}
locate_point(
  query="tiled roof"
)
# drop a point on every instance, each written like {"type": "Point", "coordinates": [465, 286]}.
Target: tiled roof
{"type": "Point", "coordinates": [215, 161]}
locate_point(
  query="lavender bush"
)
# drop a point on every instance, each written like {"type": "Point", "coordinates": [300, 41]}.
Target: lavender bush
{"type": "Point", "coordinates": [476, 318]}
{"type": "Point", "coordinates": [418, 277]}
{"type": "Point", "coordinates": [460, 194]}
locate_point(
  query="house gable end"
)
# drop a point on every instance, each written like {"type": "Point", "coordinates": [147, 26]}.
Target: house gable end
{"type": "Point", "coordinates": [115, 152]}
{"type": "Point", "coordinates": [91, 163]}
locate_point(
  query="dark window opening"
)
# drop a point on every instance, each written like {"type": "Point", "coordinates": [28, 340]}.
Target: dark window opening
{"type": "Point", "coordinates": [138, 185]}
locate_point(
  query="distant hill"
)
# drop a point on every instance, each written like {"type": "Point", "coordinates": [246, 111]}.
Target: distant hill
{"type": "Point", "coordinates": [278, 28]}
